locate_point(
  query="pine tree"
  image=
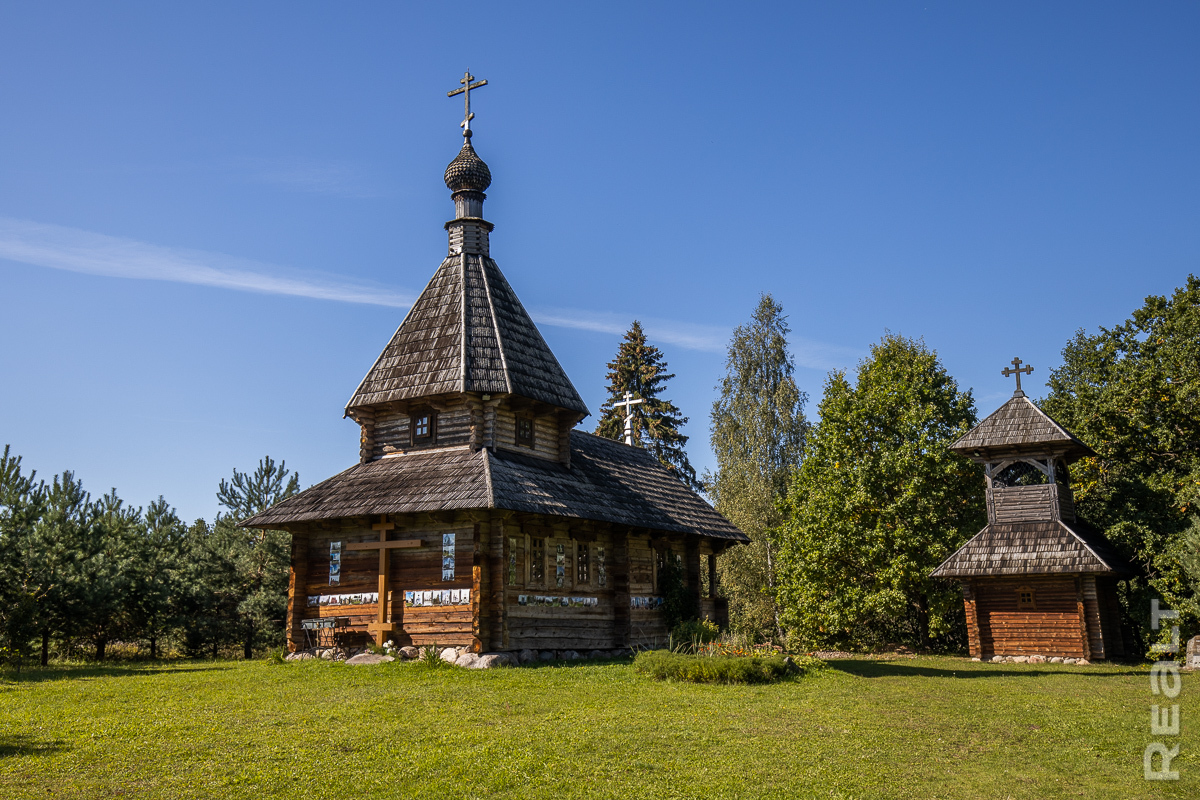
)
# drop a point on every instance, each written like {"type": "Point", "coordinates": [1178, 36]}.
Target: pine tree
{"type": "Point", "coordinates": [641, 370]}
{"type": "Point", "coordinates": [262, 557]}
{"type": "Point", "coordinates": [758, 433]}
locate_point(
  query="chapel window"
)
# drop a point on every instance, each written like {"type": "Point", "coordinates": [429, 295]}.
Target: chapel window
{"type": "Point", "coordinates": [537, 561]}
{"type": "Point", "coordinates": [525, 431]}
{"type": "Point", "coordinates": [512, 561]}
{"type": "Point", "coordinates": [583, 566]}
{"type": "Point", "coordinates": [423, 425]}
{"type": "Point", "coordinates": [1025, 599]}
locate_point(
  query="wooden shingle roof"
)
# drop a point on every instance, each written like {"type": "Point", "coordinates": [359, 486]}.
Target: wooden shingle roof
{"type": "Point", "coordinates": [467, 332]}
{"type": "Point", "coordinates": [1033, 548]}
{"type": "Point", "coordinates": [1019, 426]}
{"type": "Point", "coordinates": [607, 482]}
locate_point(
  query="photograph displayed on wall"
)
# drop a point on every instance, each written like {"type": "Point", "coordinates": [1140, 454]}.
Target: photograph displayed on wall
{"type": "Point", "coordinates": [560, 565]}
{"type": "Point", "coordinates": [601, 573]}
{"type": "Point", "coordinates": [447, 556]}
{"type": "Point", "coordinates": [335, 563]}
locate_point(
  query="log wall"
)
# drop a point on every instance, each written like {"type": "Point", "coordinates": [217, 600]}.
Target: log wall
{"type": "Point", "coordinates": [1056, 627]}
{"type": "Point", "coordinates": [545, 433]}
{"type": "Point", "coordinates": [493, 558]}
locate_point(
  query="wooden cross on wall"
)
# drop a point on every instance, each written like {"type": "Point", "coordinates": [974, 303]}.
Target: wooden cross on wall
{"type": "Point", "coordinates": [382, 626]}
{"type": "Point", "coordinates": [1009, 371]}
{"type": "Point", "coordinates": [467, 86]}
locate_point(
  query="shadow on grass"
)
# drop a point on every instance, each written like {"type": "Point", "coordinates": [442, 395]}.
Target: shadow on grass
{"type": "Point", "coordinates": [864, 668]}
{"type": "Point", "coordinates": [85, 671]}
{"type": "Point", "coordinates": [16, 744]}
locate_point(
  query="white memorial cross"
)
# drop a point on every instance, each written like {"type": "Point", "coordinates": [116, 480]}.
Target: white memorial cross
{"type": "Point", "coordinates": [628, 403]}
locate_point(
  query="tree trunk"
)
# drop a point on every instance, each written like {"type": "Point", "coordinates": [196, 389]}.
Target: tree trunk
{"type": "Point", "coordinates": [248, 644]}
{"type": "Point", "coordinates": [100, 645]}
{"type": "Point", "coordinates": [153, 647]}
{"type": "Point", "coordinates": [923, 621]}
{"type": "Point", "coordinates": [45, 648]}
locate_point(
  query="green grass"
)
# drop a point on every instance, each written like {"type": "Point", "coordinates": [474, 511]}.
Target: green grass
{"type": "Point", "coordinates": [904, 728]}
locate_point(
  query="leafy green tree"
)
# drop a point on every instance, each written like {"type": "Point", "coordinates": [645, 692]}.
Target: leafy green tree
{"type": "Point", "coordinates": [758, 434]}
{"type": "Point", "coordinates": [262, 558]}
{"type": "Point", "coordinates": [641, 370]}
{"type": "Point", "coordinates": [878, 503]}
{"type": "Point", "coordinates": [1132, 392]}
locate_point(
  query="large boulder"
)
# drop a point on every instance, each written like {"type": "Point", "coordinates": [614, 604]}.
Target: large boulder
{"type": "Point", "coordinates": [468, 660]}
{"type": "Point", "coordinates": [527, 656]}
{"type": "Point", "coordinates": [490, 661]}
{"type": "Point", "coordinates": [409, 651]}
{"type": "Point", "coordinates": [546, 655]}
{"type": "Point", "coordinates": [597, 654]}
{"type": "Point", "coordinates": [569, 655]}
{"type": "Point", "coordinates": [449, 655]}
{"type": "Point", "coordinates": [368, 658]}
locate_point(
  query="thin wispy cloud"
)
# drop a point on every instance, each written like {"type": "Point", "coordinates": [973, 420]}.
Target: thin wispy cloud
{"type": "Point", "coordinates": [706, 338]}
{"type": "Point", "coordinates": [74, 250]}
{"type": "Point", "coordinates": [822, 355]}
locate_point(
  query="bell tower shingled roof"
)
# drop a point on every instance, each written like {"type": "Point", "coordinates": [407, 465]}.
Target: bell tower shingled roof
{"type": "Point", "coordinates": [467, 332]}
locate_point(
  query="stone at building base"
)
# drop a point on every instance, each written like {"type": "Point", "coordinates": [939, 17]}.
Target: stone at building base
{"type": "Point", "coordinates": [368, 658]}
{"type": "Point", "coordinates": [1035, 659]}
{"type": "Point", "coordinates": [1193, 653]}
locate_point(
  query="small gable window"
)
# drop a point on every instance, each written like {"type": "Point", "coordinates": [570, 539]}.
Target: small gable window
{"type": "Point", "coordinates": [1025, 599]}
{"type": "Point", "coordinates": [525, 431]}
{"type": "Point", "coordinates": [423, 425]}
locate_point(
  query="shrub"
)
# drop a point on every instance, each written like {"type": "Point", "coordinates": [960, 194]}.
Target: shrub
{"type": "Point", "coordinates": [694, 632]}
{"type": "Point", "coordinates": [664, 665]}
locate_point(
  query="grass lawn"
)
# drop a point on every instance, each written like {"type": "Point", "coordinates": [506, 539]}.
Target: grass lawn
{"type": "Point", "coordinates": [863, 728]}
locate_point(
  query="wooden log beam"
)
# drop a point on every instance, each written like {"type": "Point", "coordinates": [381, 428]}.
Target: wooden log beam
{"type": "Point", "coordinates": [394, 544]}
{"type": "Point", "coordinates": [297, 592]}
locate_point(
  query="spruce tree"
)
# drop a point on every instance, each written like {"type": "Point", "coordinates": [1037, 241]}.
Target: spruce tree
{"type": "Point", "coordinates": [758, 432]}
{"type": "Point", "coordinates": [641, 370]}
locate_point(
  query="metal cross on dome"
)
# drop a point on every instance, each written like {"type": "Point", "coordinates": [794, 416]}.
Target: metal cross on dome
{"type": "Point", "coordinates": [1008, 371]}
{"type": "Point", "coordinates": [467, 86]}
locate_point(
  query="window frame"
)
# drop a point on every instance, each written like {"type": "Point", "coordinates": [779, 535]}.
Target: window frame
{"type": "Point", "coordinates": [524, 441]}
{"type": "Point", "coordinates": [537, 562]}
{"type": "Point", "coordinates": [583, 564]}
{"type": "Point", "coordinates": [1022, 603]}
{"type": "Point", "coordinates": [430, 437]}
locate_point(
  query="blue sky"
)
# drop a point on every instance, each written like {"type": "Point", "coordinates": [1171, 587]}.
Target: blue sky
{"type": "Point", "coordinates": [213, 217]}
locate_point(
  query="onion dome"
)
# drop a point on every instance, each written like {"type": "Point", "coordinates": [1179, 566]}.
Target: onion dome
{"type": "Point", "coordinates": [467, 172]}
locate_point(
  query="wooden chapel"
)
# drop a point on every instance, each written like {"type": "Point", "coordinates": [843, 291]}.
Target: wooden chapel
{"type": "Point", "coordinates": [1036, 580]}
{"type": "Point", "coordinates": [477, 515]}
